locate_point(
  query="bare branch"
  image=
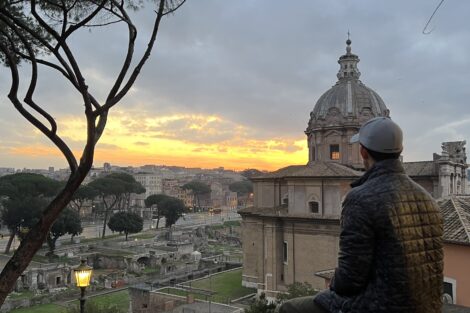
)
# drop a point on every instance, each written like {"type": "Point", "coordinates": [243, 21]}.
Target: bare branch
{"type": "Point", "coordinates": [130, 52]}
{"type": "Point", "coordinates": [34, 75]}
{"type": "Point", "coordinates": [175, 8]}
{"type": "Point", "coordinates": [13, 96]}
{"type": "Point", "coordinates": [82, 87]}
{"type": "Point", "coordinates": [111, 102]}
{"type": "Point", "coordinates": [11, 21]}
{"type": "Point", "coordinates": [83, 22]}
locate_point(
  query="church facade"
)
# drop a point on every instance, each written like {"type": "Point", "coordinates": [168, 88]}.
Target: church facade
{"type": "Point", "coordinates": [291, 233]}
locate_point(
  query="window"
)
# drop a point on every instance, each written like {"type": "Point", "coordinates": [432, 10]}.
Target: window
{"type": "Point", "coordinates": [450, 292]}
{"type": "Point", "coordinates": [284, 252]}
{"type": "Point", "coordinates": [285, 200]}
{"type": "Point", "coordinates": [334, 152]}
{"type": "Point", "coordinates": [313, 206]}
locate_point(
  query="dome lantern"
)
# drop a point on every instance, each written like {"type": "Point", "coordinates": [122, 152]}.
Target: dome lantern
{"type": "Point", "coordinates": [348, 64]}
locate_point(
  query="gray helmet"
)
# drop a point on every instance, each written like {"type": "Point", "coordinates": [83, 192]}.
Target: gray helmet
{"type": "Point", "coordinates": [380, 134]}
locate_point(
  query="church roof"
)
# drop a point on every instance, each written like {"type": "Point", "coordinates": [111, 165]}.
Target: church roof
{"type": "Point", "coordinates": [422, 168]}
{"type": "Point", "coordinates": [349, 98]}
{"type": "Point", "coordinates": [456, 213]}
{"type": "Point", "coordinates": [315, 169]}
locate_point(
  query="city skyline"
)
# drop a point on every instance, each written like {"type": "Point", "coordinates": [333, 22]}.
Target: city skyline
{"type": "Point", "coordinates": [217, 92]}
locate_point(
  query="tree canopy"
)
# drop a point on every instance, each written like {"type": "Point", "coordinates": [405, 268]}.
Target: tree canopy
{"type": "Point", "coordinates": [251, 172]}
{"type": "Point", "coordinates": [24, 197]}
{"type": "Point", "coordinates": [84, 193]}
{"type": "Point", "coordinates": [40, 33]}
{"type": "Point", "coordinates": [153, 201]}
{"type": "Point", "coordinates": [296, 290]}
{"type": "Point", "coordinates": [198, 188]}
{"type": "Point", "coordinates": [261, 305]}
{"type": "Point", "coordinates": [241, 187]}
{"type": "Point", "coordinates": [112, 189]}
{"type": "Point", "coordinates": [126, 222]}
{"type": "Point", "coordinates": [67, 223]}
{"type": "Point", "coordinates": [18, 185]}
{"type": "Point", "coordinates": [172, 209]}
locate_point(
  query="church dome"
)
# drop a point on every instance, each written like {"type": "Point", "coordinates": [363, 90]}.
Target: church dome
{"type": "Point", "coordinates": [339, 113]}
{"type": "Point", "coordinates": [349, 101]}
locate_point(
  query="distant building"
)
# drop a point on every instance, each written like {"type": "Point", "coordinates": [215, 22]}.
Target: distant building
{"type": "Point", "coordinates": [291, 233]}
{"type": "Point", "coordinates": [456, 213]}
{"type": "Point", "coordinates": [152, 184]}
{"type": "Point", "coordinates": [6, 171]}
{"type": "Point", "coordinates": [231, 200]}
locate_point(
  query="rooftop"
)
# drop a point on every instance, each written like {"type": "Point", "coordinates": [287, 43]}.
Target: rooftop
{"type": "Point", "coordinates": [456, 213]}
{"type": "Point", "coordinates": [421, 168]}
{"type": "Point", "coordinates": [315, 169]}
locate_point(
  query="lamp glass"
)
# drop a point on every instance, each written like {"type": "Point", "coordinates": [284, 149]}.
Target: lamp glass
{"type": "Point", "coordinates": [83, 274]}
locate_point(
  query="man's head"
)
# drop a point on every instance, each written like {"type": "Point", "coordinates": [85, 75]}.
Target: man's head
{"type": "Point", "coordinates": [380, 139]}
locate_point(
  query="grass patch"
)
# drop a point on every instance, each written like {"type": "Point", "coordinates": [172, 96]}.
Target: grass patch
{"type": "Point", "coordinates": [227, 286]}
{"type": "Point", "coordinates": [151, 270]}
{"type": "Point", "coordinates": [23, 295]}
{"type": "Point", "coordinates": [42, 308]}
{"type": "Point", "coordinates": [46, 259]}
{"type": "Point", "coordinates": [120, 299]}
{"type": "Point", "coordinates": [88, 240]}
{"type": "Point", "coordinates": [232, 223]}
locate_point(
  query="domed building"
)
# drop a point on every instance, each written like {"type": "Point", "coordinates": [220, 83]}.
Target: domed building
{"type": "Point", "coordinates": [340, 112]}
{"type": "Point", "coordinates": [291, 233]}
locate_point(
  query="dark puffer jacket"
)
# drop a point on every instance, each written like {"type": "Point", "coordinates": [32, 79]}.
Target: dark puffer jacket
{"type": "Point", "coordinates": [391, 257]}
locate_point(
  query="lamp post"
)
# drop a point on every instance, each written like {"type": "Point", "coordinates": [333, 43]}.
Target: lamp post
{"type": "Point", "coordinates": [82, 278]}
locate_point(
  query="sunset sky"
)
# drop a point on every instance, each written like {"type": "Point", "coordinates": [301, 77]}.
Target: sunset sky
{"type": "Point", "coordinates": [232, 83]}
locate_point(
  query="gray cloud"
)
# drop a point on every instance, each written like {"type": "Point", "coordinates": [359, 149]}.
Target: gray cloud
{"type": "Point", "coordinates": [264, 64]}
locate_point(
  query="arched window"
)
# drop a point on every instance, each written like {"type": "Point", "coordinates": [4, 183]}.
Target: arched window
{"type": "Point", "coordinates": [313, 205]}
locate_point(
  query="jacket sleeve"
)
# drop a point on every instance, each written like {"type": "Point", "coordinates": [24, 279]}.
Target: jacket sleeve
{"type": "Point", "coordinates": [356, 250]}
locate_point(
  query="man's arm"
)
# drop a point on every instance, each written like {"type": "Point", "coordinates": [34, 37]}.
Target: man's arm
{"type": "Point", "coordinates": [356, 244]}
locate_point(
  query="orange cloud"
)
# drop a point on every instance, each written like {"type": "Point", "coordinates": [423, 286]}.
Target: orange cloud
{"type": "Point", "coordinates": [137, 138]}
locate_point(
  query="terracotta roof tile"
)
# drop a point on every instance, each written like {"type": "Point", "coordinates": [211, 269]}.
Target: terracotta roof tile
{"type": "Point", "coordinates": [423, 168]}
{"type": "Point", "coordinates": [456, 213]}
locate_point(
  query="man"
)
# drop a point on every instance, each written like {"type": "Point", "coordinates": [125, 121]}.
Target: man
{"type": "Point", "coordinates": [391, 257]}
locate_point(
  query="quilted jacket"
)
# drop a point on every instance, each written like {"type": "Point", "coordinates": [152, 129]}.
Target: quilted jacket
{"type": "Point", "coordinates": [391, 257]}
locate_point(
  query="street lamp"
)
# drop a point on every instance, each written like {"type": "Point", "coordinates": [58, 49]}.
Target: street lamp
{"type": "Point", "coordinates": [82, 278]}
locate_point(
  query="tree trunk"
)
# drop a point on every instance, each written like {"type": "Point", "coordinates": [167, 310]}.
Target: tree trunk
{"type": "Point", "coordinates": [10, 241]}
{"type": "Point", "coordinates": [126, 234]}
{"type": "Point", "coordinates": [158, 221]}
{"type": "Point", "coordinates": [104, 222]}
{"type": "Point", "coordinates": [108, 208]}
{"type": "Point", "coordinates": [51, 243]}
{"type": "Point", "coordinates": [35, 238]}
